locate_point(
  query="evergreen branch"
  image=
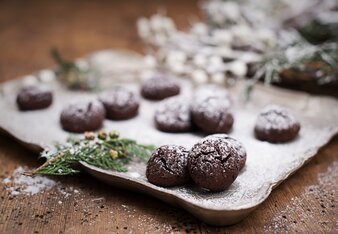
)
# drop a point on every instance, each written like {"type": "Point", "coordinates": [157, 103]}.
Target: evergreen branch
{"type": "Point", "coordinates": [295, 53]}
{"type": "Point", "coordinates": [106, 151]}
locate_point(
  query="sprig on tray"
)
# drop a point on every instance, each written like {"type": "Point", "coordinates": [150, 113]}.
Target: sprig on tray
{"type": "Point", "coordinates": [106, 151]}
{"type": "Point", "coordinates": [297, 54]}
{"type": "Point", "coordinates": [74, 75]}
{"type": "Point", "coordinates": [293, 52]}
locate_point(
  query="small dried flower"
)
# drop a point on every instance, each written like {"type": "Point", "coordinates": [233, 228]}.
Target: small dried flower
{"type": "Point", "coordinates": [114, 134]}
{"type": "Point", "coordinates": [113, 154]}
{"type": "Point", "coordinates": [102, 135]}
{"type": "Point", "coordinates": [89, 135]}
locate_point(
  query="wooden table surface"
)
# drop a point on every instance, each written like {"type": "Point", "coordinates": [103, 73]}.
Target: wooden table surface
{"type": "Point", "coordinates": [304, 203]}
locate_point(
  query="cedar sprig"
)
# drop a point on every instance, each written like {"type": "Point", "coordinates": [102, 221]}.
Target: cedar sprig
{"type": "Point", "coordinates": [293, 54]}
{"type": "Point", "coordinates": [102, 150]}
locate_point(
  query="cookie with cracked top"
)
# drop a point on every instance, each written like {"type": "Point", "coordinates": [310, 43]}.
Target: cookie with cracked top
{"type": "Point", "coordinates": [82, 116]}
{"type": "Point", "coordinates": [167, 166]}
{"type": "Point", "coordinates": [276, 124]}
{"type": "Point", "coordinates": [173, 115]}
{"type": "Point", "coordinates": [160, 87]}
{"type": "Point", "coordinates": [213, 163]}
{"type": "Point", "coordinates": [120, 103]}
{"type": "Point", "coordinates": [238, 147]}
{"type": "Point", "coordinates": [210, 111]}
{"type": "Point", "coordinates": [34, 97]}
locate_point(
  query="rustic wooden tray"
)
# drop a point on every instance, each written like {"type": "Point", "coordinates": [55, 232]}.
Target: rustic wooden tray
{"type": "Point", "coordinates": [267, 164]}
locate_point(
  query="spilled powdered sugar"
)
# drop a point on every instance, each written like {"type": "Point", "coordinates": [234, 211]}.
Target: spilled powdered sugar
{"type": "Point", "coordinates": [325, 193]}
{"type": "Point", "coordinates": [18, 183]}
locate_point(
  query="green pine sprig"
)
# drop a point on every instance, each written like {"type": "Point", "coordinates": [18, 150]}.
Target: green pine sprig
{"type": "Point", "coordinates": [106, 151]}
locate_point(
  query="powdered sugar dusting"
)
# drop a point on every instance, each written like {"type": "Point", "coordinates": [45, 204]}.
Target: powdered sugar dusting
{"type": "Point", "coordinates": [160, 84]}
{"type": "Point", "coordinates": [275, 117]}
{"type": "Point", "coordinates": [325, 193]}
{"type": "Point", "coordinates": [211, 102]}
{"type": "Point", "coordinates": [79, 110]}
{"type": "Point", "coordinates": [27, 185]}
{"type": "Point", "coordinates": [211, 107]}
{"type": "Point", "coordinates": [174, 113]}
{"type": "Point", "coordinates": [119, 96]}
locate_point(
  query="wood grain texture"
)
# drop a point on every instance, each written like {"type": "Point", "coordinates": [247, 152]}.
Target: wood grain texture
{"type": "Point", "coordinates": [305, 203]}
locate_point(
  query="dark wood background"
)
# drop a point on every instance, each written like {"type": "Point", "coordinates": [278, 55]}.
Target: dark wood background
{"type": "Point", "coordinates": [305, 203]}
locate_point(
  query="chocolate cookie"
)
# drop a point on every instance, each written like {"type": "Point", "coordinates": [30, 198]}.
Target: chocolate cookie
{"type": "Point", "coordinates": [167, 166]}
{"type": "Point", "coordinates": [82, 116]}
{"type": "Point", "coordinates": [34, 98]}
{"type": "Point", "coordinates": [173, 115]}
{"type": "Point", "coordinates": [211, 113]}
{"type": "Point", "coordinates": [160, 87]}
{"type": "Point", "coordinates": [276, 124]}
{"type": "Point", "coordinates": [120, 103]}
{"type": "Point", "coordinates": [213, 164]}
{"type": "Point", "coordinates": [236, 145]}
